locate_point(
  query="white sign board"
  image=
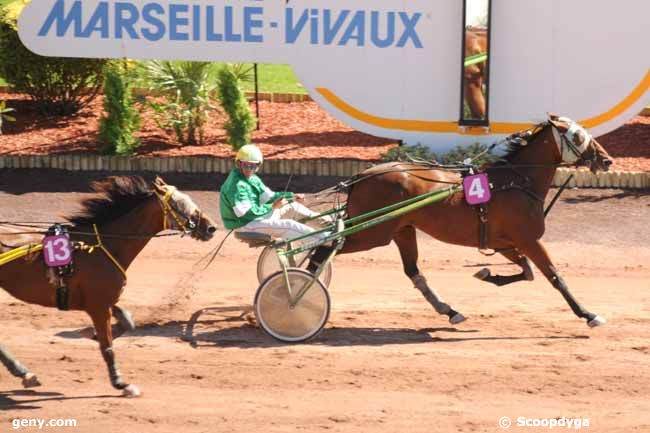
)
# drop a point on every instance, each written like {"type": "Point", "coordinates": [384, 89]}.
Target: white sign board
{"type": "Point", "coordinates": [386, 67]}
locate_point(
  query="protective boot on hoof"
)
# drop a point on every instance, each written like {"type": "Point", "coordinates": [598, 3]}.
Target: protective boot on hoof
{"type": "Point", "coordinates": [456, 318]}
{"type": "Point", "coordinates": [131, 391]}
{"type": "Point", "coordinates": [596, 321]}
{"type": "Point", "coordinates": [30, 381]}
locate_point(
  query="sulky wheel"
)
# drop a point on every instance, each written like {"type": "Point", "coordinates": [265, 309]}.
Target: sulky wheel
{"type": "Point", "coordinates": [282, 321]}
{"type": "Point", "coordinates": [268, 264]}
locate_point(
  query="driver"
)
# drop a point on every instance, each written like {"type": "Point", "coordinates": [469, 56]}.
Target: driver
{"type": "Point", "coordinates": [247, 205]}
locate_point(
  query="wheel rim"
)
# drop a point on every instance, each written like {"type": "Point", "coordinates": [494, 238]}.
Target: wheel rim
{"type": "Point", "coordinates": [299, 323]}
{"type": "Point", "coordinates": [268, 264]}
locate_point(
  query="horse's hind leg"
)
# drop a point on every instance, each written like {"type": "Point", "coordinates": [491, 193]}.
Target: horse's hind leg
{"type": "Point", "coordinates": [408, 248]}
{"type": "Point", "coordinates": [124, 323]}
{"type": "Point", "coordinates": [17, 369]}
{"type": "Point", "coordinates": [501, 280]}
{"type": "Point", "coordinates": [124, 320]}
{"type": "Point", "coordinates": [102, 322]}
{"type": "Point", "coordinates": [537, 253]}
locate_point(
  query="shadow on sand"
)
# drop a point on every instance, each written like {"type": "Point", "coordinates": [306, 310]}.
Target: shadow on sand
{"type": "Point", "coordinates": [28, 398]}
{"type": "Point", "coordinates": [235, 327]}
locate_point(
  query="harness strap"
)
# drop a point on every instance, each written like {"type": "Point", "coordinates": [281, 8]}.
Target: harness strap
{"type": "Point", "coordinates": [62, 296]}
{"type": "Point", "coordinates": [101, 246]}
{"type": "Point", "coordinates": [483, 227]}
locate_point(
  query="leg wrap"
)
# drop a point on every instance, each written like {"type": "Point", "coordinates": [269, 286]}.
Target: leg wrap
{"type": "Point", "coordinates": [318, 257]}
{"type": "Point", "coordinates": [14, 367]}
{"type": "Point", "coordinates": [421, 284]}
{"type": "Point", "coordinates": [113, 372]}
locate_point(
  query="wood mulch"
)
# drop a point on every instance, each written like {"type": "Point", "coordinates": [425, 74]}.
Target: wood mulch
{"type": "Point", "coordinates": [287, 130]}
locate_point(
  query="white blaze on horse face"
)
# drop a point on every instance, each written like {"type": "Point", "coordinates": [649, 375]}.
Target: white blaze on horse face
{"type": "Point", "coordinates": [184, 204]}
{"type": "Point", "coordinates": [576, 135]}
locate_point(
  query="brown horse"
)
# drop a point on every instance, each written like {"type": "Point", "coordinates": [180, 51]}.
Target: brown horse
{"type": "Point", "coordinates": [474, 76]}
{"type": "Point", "coordinates": [111, 230]}
{"type": "Point", "coordinates": [515, 214]}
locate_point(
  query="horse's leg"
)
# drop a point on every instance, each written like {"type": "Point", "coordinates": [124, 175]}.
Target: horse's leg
{"type": "Point", "coordinates": [474, 97]}
{"type": "Point", "coordinates": [321, 253]}
{"type": "Point", "coordinates": [537, 253]}
{"type": "Point", "coordinates": [17, 369]}
{"type": "Point", "coordinates": [102, 322]}
{"type": "Point", "coordinates": [408, 248]}
{"type": "Point", "coordinates": [124, 323]}
{"type": "Point", "coordinates": [501, 280]}
{"type": "Point", "coordinates": [124, 320]}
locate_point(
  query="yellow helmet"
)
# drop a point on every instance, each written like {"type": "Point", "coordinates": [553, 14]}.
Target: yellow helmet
{"type": "Point", "coordinates": [249, 153]}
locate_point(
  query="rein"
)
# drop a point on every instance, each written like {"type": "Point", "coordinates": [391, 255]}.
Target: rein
{"type": "Point", "coordinates": [164, 201]}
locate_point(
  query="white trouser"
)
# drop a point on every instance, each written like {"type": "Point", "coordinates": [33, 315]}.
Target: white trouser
{"type": "Point", "coordinates": [281, 223]}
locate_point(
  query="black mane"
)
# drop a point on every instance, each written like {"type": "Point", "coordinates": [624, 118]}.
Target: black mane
{"type": "Point", "coordinates": [117, 196]}
{"type": "Point", "coordinates": [518, 141]}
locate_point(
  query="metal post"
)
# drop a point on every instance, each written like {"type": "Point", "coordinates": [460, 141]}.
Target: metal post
{"type": "Point", "coordinates": [257, 98]}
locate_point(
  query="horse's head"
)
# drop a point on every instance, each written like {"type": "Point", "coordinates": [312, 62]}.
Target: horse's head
{"type": "Point", "coordinates": [577, 146]}
{"type": "Point", "coordinates": [181, 213]}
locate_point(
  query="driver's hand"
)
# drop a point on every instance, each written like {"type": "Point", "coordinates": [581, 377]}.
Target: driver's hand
{"type": "Point", "coordinates": [300, 198]}
{"type": "Point", "coordinates": [279, 203]}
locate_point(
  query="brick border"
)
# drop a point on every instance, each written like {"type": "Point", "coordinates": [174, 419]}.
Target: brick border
{"type": "Point", "coordinates": [305, 167]}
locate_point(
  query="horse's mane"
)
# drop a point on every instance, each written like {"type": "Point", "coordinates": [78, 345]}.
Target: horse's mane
{"type": "Point", "coordinates": [117, 196]}
{"type": "Point", "coordinates": [512, 144]}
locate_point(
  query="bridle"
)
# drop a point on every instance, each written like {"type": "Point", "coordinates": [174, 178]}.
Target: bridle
{"type": "Point", "coordinates": [191, 224]}
{"type": "Point", "coordinates": [570, 152]}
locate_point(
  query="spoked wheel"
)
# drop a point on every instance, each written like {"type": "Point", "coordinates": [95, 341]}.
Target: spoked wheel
{"type": "Point", "coordinates": [268, 264]}
{"type": "Point", "coordinates": [292, 324]}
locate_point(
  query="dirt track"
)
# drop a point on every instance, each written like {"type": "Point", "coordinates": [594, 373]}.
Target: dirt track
{"type": "Point", "coordinates": [385, 363]}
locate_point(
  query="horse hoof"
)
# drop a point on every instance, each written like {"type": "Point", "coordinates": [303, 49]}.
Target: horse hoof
{"type": "Point", "coordinates": [482, 274]}
{"type": "Point", "coordinates": [131, 391]}
{"type": "Point", "coordinates": [456, 319]}
{"type": "Point", "coordinates": [31, 381]}
{"type": "Point", "coordinates": [596, 321]}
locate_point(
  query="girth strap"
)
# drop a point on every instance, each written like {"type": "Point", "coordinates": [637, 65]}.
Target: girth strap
{"type": "Point", "coordinates": [62, 300]}
{"type": "Point", "coordinates": [482, 227]}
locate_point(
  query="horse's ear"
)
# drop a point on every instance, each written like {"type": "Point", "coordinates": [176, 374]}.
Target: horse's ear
{"type": "Point", "coordinates": [560, 125]}
{"type": "Point", "coordinates": [159, 185]}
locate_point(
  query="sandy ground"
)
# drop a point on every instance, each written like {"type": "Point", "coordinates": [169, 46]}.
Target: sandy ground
{"type": "Point", "coordinates": [385, 363]}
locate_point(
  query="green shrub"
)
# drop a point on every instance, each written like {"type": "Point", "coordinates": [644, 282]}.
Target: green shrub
{"type": "Point", "coordinates": [3, 114]}
{"type": "Point", "coordinates": [187, 89]}
{"type": "Point", "coordinates": [455, 156]}
{"type": "Point", "coordinates": [58, 85]}
{"type": "Point", "coordinates": [405, 153]}
{"type": "Point", "coordinates": [460, 154]}
{"type": "Point", "coordinates": [121, 120]}
{"type": "Point", "coordinates": [240, 121]}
